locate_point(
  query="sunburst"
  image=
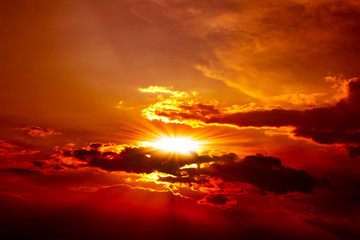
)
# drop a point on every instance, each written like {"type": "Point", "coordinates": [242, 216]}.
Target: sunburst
{"type": "Point", "coordinates": [182, 145]}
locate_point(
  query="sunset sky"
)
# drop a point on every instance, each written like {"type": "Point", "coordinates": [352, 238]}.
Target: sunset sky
{"type": "Point", "coordinates": [180, 119]}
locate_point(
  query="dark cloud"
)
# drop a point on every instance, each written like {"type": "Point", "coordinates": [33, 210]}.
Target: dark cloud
{"type": "Point", "coordinates": [353, 151]}
{"type": "Point", "coordinates": [135, 160]}
{"type": "Point", "coordinates": [95, 145]}
{"type": "Point", "coordinates": [265, 173]}
{"type": "Point", "coordinates": [218, 199]}
{"type": "Point", "coordinates": [140, 159]}
{"type": "Point", "coordinates": [337, 124]}
{"type": "Point", "coordinates": [328, 125]}
{"type": "Point", "coordinates": [18, 171]}
{"type": "Point", "coordinates": [341, 229]}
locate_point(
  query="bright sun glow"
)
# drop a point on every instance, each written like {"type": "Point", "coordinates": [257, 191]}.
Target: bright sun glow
{"type": "Point", "coordinates": [181, 145]}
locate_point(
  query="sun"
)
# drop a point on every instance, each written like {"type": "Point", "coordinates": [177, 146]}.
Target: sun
{"type": "Point", "coordinates": [182, 145]}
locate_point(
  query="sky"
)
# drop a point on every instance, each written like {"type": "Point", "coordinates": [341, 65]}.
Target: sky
{"type": "Point", "coordinates": [180, 119]}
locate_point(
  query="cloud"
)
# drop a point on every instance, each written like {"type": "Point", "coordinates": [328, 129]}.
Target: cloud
{"type": "Point", "coordinates": [353, 151]}
{"type": "Point", "coordinates": [130, 160]}
{"type": "Point", "coordinates": [339, 123]}
{"type": "Point", "coordinates": [35, 131]}
{"type": "Point", "coordinates": [16, 156]}
{"type": "Point", "coordinates": [178, 103]}
{"type": "Point", "coordinates": [8, 148]}
{"type": "Point", "coordinates": [159, 89]}
{"type": "Point", "coordinates": [265, 173]}
{"type": "Point", "coordinates": [328, 125]}
{"type": "Point", "coordinates": [267, 48]}
{"type": "Point", "coordinates": [217, 200]}
{"type": "Point", "coordinates": [18, 171]}
{"type": "Point", "coordinates": [68, 189]}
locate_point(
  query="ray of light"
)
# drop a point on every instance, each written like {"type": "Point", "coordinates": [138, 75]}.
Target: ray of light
{"type": "Point", "coordinates": [172, 144]}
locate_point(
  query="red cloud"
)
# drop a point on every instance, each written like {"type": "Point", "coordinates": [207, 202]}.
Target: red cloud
{"type": "Point", "coordinates": [265, 173]}
{"type": "Point", "coordinates": [35, 131]}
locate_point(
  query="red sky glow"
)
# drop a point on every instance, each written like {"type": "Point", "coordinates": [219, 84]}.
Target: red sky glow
{"type": "Point", "coordinates": [180, 119]}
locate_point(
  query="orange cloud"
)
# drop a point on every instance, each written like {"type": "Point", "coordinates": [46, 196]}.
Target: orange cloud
{"type": "Point", "coordinates": [267, 48]}
{"type": "Point", "coordinates": [176, 103]}
{"type": "Point", "coordinates": [35, 131]}
{"type": "Point", "coordinates": [338, 123]}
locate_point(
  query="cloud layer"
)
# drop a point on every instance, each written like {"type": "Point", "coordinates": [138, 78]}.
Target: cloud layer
{"type": "Point", "coordinates": [339, 123]}
{"type": "Point", "coordinates": [265, 173]}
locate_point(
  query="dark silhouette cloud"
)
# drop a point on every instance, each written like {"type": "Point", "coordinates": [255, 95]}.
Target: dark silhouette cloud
{"type": "Point", "coordinates": [136, 160]}
{"type": "Point", "coordinates": [265, 173]}
{"type": "Point", "coordinates": [19, 171]}
{"type": "Point", "coordinates": [353, 151]}
{"type": "Point", "coordinates": [327, 125]}
{"type": "Point", "coordinates": [218, 199]}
